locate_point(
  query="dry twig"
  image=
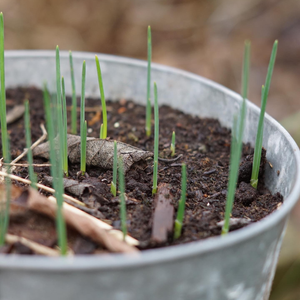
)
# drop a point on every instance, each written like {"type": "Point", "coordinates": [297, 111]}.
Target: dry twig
{"type": "Point", "coordinates": [79, 220]}
{"type": "Point", "coordinates": [35, 247]}
{"type": "Point", "coordinates": [40, 186]}
{"type": "Point", "coordinates": [35, 144]}
{"type": "Point", "coordinates": [15, 113]}
{"type": "Point", "coordinates": [116, 233]}
{"type": "Point", "coordinates": [26, 165]}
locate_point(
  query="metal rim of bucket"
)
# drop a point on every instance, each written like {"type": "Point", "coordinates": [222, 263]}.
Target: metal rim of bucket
{"type": "Point", "coordinates": [171, 253]}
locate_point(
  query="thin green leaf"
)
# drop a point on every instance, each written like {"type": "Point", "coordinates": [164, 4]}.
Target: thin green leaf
{"type": "Point", "coordinates": [148, 107]}
{"type": "Point", "coordinates": [103, 103]}
{"type": "Point", "coordinates": [57, 174]}
{"type": "Point", "coordinates": [237, 142]}
{"type": "Point", "coordinates": [181, 205]}
{"type": "Point", "coordinates": [74, 101]}
{"type": "Point", "coordinates": [59, 112]}
{"type": "Point", "coordinates": [156, 140]}
{"type": "Point", "coordinates": [115, 170]}
{"type": "Point", "coordinates": [172, 148]}
{"type": "Point", "coordinates": [65, 129]}
{"type": "Point", "coordinates": [4, 134]}
{"type": "Point", "coordinates": [82, 120]}
{"type": "Point", "coordinates": [260, 128]}
{"type": "Point", "coordinates": [122, 198]}
{"type": "Point", "coordinates": [4, 207]}
{"type": "Point", "coordinates": [83, 149]}
{"type": "Point", "coordinates": [32, 175]}
{"type": "Point", "coordinates": [101, 131]}
{"type": "Point", "coordinates": [155, 171]}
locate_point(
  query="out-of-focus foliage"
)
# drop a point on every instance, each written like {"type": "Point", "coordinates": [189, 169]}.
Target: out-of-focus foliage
{"type": "Point", "coordinates": [205, 37]}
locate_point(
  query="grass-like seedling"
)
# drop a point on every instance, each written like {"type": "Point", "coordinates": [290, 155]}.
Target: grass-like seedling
{"type": "Point", "coordinates": [103, 134]}
{"type": "Point", "coordinates": [74, 101]}
{"type": "Point", "coordinates": [83, 149]}
{"type": "Point", "coordinates": [237, 142]}
{"type": "Point", "coordinates": [83, 128]}
{"type": "Point", "coordinates": [101, 131]}
{"type": "Point", "coordinates": [4, 205]}
{"type": "Point", "coordinates": [59, 110]}
{"type": "Point", "coordinates": [113, 187]}
{"type": "Point", "coordinates": [122, 198]}
{"type": "Point", "coordinates": [181, 205]}
{"type": "Point", "coordinates": [57, 174]}
{"type": "Point", "coordinates": [148, 107]}
{"type": "Point", "coordinates": [172, 147]}
{"type": "Point", "coordinates": [260, 128]}
{"type": "Point", "coordinates": [4, 134]}
{"type": "Point", "coordinates": [32, 175]}
{"type": "Point", "coordinates": [156, 141]}
{"type": "Point", "coordinates": [65, 128]}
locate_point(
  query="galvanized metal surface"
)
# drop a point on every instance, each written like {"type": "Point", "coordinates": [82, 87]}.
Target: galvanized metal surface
{"type": "Point", "coordinates": [237, 267]}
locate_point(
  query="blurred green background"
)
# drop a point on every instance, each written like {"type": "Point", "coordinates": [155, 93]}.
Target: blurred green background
{"type": "Point", "coordinates": [202, 36]}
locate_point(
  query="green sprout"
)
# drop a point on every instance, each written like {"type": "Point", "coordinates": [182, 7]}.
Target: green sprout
{"type": "Point", "coordinates": [57, 174]}
{"type": "Point", "coordinates": [122, 198]}
{"type": "Point", "coordinates": [101, 131]}
{"type": "Point", "coordinates": [65, 128]}
{"type": "Point", "coordinates": [32, 175]}
{"type": "Point", "coordinates": [156, 141]}
{"type": "Point", "coordinates": [113, 187]}
{"type": "Point", "coordinates": [172, 148]}
{"type": "Point", "coordinates": [237, 142]}
{"type": "Point", "coordinates": [83, 125]}
{"type": "Point", "coordinates": [4, 205]}
{"type": "Point", "coordinates": [74, 101]}
{"type": "Point", "coordinates": [103, 134]}
{"type": "Point", "coordinates": [260, 128]}
{"type": "Point", "coordinates": [181, 205]}
{"type": "Point", "coordinates": [148, 107]}
{"type": "Point", "coordinates": [60, 125]}
{"type": "Point", "coordinates": [4, 134]}
{"type": "Point", "coordinates": [83, 149]}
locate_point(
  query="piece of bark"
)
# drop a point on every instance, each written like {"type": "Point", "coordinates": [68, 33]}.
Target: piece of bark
{"type": "Point", "coordinates": [79, 220]}
{"type": "Point", "coordinates": [15, 113]}
{"type": "Point", "coordinates": [163, 214]}
{"type": "Point", "coordinates": [99, 152]}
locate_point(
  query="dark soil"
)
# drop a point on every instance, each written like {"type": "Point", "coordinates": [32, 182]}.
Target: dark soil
{"type": "Point", "coordinates": [205, 148]}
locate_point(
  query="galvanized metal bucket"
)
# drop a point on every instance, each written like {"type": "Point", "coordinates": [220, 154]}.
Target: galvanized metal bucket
{"type": "Point", "coordinates": [239, 266]}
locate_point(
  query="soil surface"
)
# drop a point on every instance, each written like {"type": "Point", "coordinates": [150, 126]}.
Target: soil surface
{"type": "Point", "coordinates": [200, 143]}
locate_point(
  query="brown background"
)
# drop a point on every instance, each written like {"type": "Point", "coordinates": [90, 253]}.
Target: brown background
{"type": "Point", "coordinates": [205, 37]}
